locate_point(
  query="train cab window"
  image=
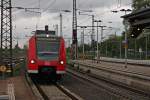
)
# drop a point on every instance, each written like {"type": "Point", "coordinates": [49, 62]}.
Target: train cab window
{"type": "Point", "coordinates": [47, 50]}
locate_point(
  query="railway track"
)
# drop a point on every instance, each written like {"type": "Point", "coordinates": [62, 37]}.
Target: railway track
{"type": "Point", "coordinates": [123, 92]}
{"type": "Point", "coordinates": [133, 79]}
{"type": "Point", "coordinates": [49, 90]}
{"type": "Point", "coordinates": [109, 87]}
{"type": "Point", "coordinates": [114, 70]}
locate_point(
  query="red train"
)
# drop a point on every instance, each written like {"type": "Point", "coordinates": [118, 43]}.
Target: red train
{"type": "Point", "coordinates": [46, 54]}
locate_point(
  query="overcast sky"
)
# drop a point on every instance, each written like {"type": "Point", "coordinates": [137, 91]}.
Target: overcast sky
{"type": "Point", "coordinates": [25, 22]}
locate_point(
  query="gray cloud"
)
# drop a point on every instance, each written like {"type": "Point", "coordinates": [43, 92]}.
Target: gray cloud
{"type": "Point", "coordinates": [56, 5]}
{"type": "Point", "coordinates": [24, 19]}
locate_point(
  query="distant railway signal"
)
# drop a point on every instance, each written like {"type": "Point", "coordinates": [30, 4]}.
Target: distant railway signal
{"type": "Point", "coordinates": [3, 68]}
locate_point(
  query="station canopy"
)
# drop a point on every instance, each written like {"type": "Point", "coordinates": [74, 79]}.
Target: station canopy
{"type": "Point", "coordinates": [138, 20]}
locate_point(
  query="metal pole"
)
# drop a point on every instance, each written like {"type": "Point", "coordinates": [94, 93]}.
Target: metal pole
{"type": "Point", "coordinates": [61, 25]}
{"type": "Point", "coordinates": [11, 52]}
{"type": "Point", "coordinates": [93, 26]}
{"type": "Point", "coordinates": [101, 42]}
{"type": "Point", "coordinates": [6, 33]}
{"type": "Point", "coordinates": [74, 32]}
{"type": "Point", "coordinates": [83, 43]}
{"type": "Point", "coordinates": [97, 43]}
{"type": "Point", "coordinates": [106, 48]}
{"type": "Point", "coordinates": [126, 47]}
{"type": "Point", "coordinates": [135, 49]}
{"type": "Point", "coordinates": [120, 48]}
{"type": "Point", "coordinates": [93, 36]}
{"type": "Point", "coordinates": [56, 29]}
{"type": "Point", "coordinates": [2, 17]}
{"type": "Point", "coordinates": [126, 44]}
{"type": "Point", "coordinates": [146, 47]}
{"type": "Point", "coordinates": [140, 55]}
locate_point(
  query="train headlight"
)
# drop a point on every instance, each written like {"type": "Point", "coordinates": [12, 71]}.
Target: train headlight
{"type": "Point", "coordinates": [61, 62]}
{"type": "Point", "coordinates": [32, 62]}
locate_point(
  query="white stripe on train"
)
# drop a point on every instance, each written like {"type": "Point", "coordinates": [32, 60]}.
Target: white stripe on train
{"type": "Point", "coordinates": [36, 71]}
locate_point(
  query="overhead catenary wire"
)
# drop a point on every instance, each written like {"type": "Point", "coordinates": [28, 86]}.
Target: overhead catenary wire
{"type": "Point", "coordinates": [50, 5]}
{"type": "Point", "coordinates": [81, 22]}
{"type": "Point", "coordinates": [39, 18]}
{"type": "Point", "coordinates": [118, 3]}
{"type": "Point", "coordinates": [44, 10]}
{"type": "Point", "coordinates": [109, 10]}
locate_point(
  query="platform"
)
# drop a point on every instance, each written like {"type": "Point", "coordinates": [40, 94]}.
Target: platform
{"type": "Point", "coordinates": [16, 88]}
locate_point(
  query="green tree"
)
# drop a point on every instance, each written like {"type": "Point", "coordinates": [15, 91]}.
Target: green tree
{"type": "Point", "coordinates": [25, 47]}
{"type": "Point", "coordinates": [139, 4]}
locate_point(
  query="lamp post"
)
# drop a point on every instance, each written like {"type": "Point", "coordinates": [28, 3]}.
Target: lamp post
{"type": "Point", "coordinates": [61, 23]}
{"type": "Point", "coordinates": [97, 21]}
{"type": "Point", "coordinates": [126, 10]}
{"type": "Point", "coordinates": [61, 34]}
{"type": "Point", "coordinates": [126, 48]}
{"type": "Point", "coordinates": [126, 40]}
{"type": "Point", "coordinates": [83, 27]}
{"type": "Point", "coordinates": [92, 34]}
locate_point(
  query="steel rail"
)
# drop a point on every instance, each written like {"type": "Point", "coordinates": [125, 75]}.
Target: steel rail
{"type": "Point", "coordinates": [127, 73]}
{"type": "Point", "coordinates": [107, 81]}
{"type": "Point", "coordinates": [57, 85]}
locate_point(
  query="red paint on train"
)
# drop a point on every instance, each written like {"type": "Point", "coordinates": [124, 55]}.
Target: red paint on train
{"type": "Point", "coordinates": [46, 53]}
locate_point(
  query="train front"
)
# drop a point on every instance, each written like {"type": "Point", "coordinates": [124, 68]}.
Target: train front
{"type": "Point", "coordinates": [50, 54]}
